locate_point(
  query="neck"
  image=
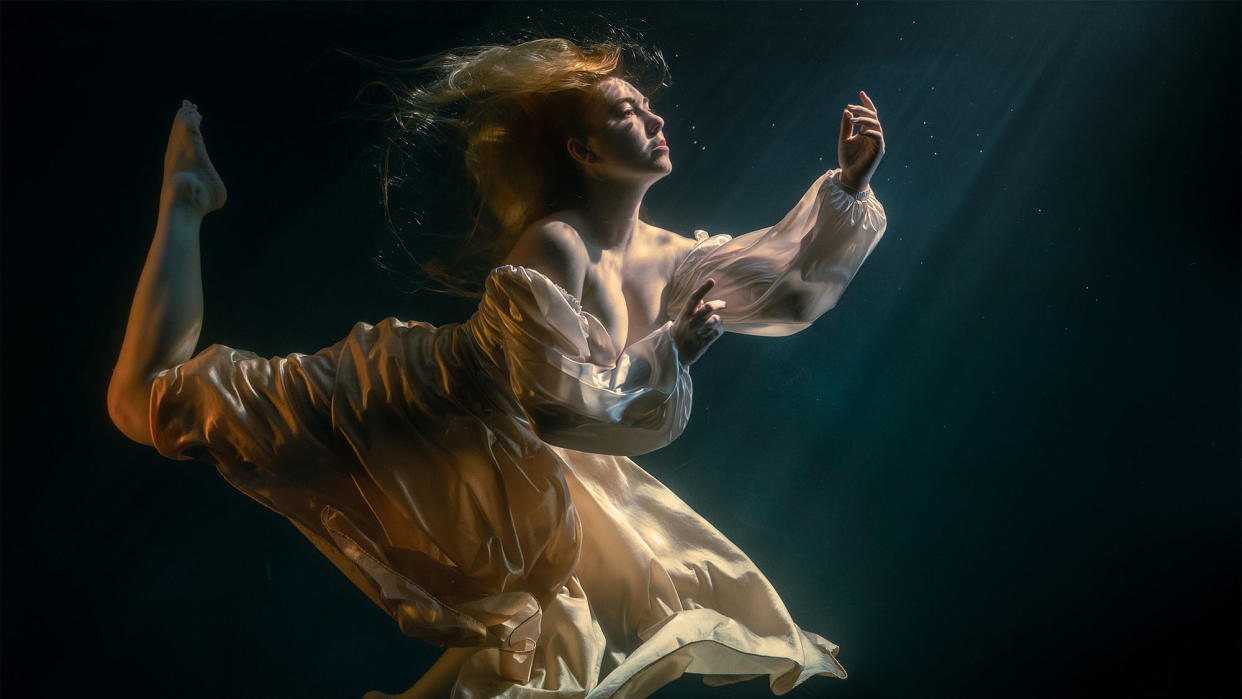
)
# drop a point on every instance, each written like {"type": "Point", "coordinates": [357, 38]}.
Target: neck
{"type": "Point", "coordinates": [611, 211]}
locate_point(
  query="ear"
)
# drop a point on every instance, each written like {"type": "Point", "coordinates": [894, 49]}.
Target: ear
{"type": "Point", "coordinates": [580, 152]}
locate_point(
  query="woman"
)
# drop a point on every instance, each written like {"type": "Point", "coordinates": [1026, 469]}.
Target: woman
{"type": "Point", "coordinates": [472, 479]}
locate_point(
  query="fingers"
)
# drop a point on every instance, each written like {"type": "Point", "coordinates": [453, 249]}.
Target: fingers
{"type": "Point", "coordinates": [707, 309]}
{"type": "Point", "coordinates": [704, 317]}
{"type": "Point", "coordinates": [712, 325]}
{"type": "Point", "coordinates": [709, 334]}
{"type": "Point", "coordinates": [694, 332]}
{"type": "Point", "coordinates": [865, 115]}
{"type": "Point", "coordinates": [866, 110]}
{"type": "Point", "coordinates": [706, 322]}
{"type": "Point", "coordinates": [859, 109]}
{"type": "Point", "coordinates": [692, 304]}
{"type": "Point", "coordinates": [847, 127]}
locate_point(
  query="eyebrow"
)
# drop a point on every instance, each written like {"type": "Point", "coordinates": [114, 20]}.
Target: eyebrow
{"type": "Point", "coordinates": [632, 101]}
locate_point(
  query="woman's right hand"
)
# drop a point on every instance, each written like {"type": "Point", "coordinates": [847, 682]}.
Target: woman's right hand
{"type": "Point", "coordinates": [697, 326]}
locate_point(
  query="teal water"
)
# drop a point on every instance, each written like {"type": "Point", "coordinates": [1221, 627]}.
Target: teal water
{"type": "Point", "coordinates": [1005, 465]}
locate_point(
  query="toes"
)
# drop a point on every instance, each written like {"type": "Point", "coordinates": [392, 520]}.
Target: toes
{"type": "Point", "coordinates": [190, 116]}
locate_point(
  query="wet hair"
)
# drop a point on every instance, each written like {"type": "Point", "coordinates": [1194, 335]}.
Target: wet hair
{"type": "Point", "coordinates": [506, 111]}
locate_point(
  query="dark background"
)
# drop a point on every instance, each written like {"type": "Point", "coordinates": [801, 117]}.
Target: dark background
{"type": "Point", "coordinates": [1007, 464]}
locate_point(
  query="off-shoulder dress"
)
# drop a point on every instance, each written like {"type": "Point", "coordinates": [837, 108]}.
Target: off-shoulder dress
{"type": "Point", "coordinates": [473, 479]}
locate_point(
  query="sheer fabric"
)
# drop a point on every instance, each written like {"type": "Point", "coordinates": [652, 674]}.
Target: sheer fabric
{"type": "Point", "coordinates": [474, 481]}
{"type": "Point", "coordinates": [777, 280]}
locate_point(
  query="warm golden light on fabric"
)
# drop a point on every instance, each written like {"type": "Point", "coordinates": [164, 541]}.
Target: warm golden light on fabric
{"type": "Point", "coordinates": [473, 479]}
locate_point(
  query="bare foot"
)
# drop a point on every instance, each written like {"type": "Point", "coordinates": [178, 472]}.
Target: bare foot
{"type": "Point", "coordinates": [189, 178]}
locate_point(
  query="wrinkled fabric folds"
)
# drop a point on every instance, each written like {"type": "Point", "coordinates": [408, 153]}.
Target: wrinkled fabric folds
{"type": "Point", "coordinates": [473, 479]}
{"type": "Point", "coordinates": [778, 280]}
{"type": "Point", "coordinates": [572, 387]}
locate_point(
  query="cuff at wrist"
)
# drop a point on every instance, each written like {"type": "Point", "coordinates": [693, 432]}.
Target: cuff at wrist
{"type": "Point", "coordinates": [853, 192]}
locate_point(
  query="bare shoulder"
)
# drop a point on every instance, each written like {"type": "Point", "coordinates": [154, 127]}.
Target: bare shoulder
{"type": "Point", "coordinates": [552, 247]}
{"type": "Point", "coordinates": [671, 247]}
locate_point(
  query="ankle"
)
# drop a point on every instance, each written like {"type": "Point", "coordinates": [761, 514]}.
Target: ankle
{"type": "Point", "coordinates": [184, 196]}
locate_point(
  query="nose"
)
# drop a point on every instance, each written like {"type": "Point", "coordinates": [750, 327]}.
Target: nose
{"type": "Point", "coordinates": [654, 124]}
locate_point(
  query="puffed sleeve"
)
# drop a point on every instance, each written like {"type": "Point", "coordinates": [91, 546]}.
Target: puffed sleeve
{"type": "Point", "coordinates": [564, 371]}
{"type": "Point", "coordinates": [239, 407]}
{"type": "Point", "coordinates": [776, 281]}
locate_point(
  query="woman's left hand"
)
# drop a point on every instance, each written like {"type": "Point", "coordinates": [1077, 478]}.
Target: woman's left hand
{"type": "Point", "coordinates": [860, 154]}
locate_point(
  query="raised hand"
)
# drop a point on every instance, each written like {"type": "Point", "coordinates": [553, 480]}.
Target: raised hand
{"type": "Point", "coordinates": [860, 153]}
{"type": "Point", "coordinates": [697, 326]}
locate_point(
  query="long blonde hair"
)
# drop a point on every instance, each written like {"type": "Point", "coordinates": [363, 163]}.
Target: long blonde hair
{"type": "Point", "coordinates": [508, 109]}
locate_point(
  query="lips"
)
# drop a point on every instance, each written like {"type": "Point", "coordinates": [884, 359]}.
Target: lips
{"type": "Point", "coordinates": [661, 144]}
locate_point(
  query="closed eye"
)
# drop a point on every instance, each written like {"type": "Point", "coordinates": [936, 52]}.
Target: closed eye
{"type": "Point", "coordinates": [629, 104]}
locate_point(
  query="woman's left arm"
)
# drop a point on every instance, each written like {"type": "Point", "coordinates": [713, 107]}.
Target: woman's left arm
{"type": "Point", "coordinates": [776, 281]}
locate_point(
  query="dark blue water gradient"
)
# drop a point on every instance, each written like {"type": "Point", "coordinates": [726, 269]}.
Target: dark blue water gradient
{"type": "Point", "coordinates": [1007, 464]}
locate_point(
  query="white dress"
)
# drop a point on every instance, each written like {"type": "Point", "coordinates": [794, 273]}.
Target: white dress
{"type": "Point", "coordinates": [473, 479]}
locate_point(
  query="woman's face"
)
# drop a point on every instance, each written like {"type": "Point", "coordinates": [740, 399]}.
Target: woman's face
{"type": "Point", "coordinates": [627, 139]}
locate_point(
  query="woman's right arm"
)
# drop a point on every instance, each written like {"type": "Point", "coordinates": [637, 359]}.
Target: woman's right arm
{"type": "Point", "coordinates": [164, 320]}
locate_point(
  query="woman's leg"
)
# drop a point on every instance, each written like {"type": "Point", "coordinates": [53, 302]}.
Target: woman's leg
{"type": "Point", "coordinates": [438, 682]}
{"type": "Point", "coordinates": [167, 312]}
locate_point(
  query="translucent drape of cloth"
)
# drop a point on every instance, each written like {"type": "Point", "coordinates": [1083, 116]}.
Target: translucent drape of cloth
{"type": "Point", "coordinates": [474, 479]}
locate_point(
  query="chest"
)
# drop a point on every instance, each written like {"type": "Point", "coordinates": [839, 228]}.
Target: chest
{"type": "Point", "coordinates": [626, 298]}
